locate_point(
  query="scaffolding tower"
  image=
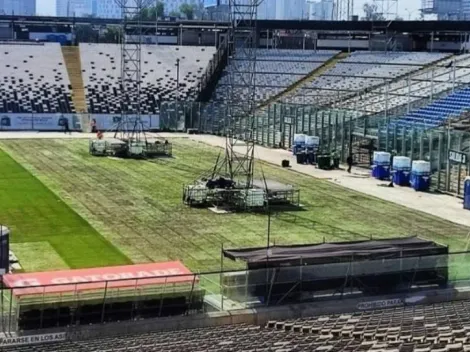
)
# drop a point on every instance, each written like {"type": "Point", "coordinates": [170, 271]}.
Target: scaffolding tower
{"type": "Point", "coordinates": [242, 77]}
{"type": "Point", "coordinates": [230, 183]}
{"type": "Point", "coordinates": [130, 138]}
{"type": "Point", "coordinates": [131, 127]}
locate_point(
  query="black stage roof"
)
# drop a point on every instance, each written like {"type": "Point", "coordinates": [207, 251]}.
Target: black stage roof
{"type": "Point", "coordinates": [383, 248]}
{"type": "Point", "coordinates": [394, 26]}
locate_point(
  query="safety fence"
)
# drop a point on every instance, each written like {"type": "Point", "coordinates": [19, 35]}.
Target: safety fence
{"type": "Point", "coordinates": [344, 131]}
{"type": "Point", "coordinates": [74, 303]}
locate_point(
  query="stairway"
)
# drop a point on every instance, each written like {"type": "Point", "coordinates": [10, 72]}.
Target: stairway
{"type": "Point", "coordinates": [71, 56]}
{"type": "Point", "coordinates": [307, 78]}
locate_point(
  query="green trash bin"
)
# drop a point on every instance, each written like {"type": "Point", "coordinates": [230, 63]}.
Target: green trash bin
{"type": "Point", "coordinates": [336, 162]}
{"type": "Point", "coordinates": [323, 162]}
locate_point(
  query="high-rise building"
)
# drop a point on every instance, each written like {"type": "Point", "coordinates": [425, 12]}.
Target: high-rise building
{"type": "Point", "coordinates": [18, 7]}
{"type": "Point", "coordinates": [290, 9]}
{"type": "Point", "coordinates": [108, 9]}
{"type": "Point", "coordinates": [321, 10]}
{"type": "Point", "coordinates": [74, 8]}
{"type": "Point", "coordinates": [447, 9]}
{"type": "Point", "coordinates": [267, 10]}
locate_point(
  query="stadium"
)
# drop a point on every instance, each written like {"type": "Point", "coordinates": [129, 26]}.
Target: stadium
{"type": "Point", "coordinates": [234, 186]}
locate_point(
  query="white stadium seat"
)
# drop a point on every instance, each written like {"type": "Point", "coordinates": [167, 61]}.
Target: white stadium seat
{"type": "Point", "coordinates": [34, 79]}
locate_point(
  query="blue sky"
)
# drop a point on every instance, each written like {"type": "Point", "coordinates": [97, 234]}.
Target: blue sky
{"type": "Point", "coordinates": [409, 9]}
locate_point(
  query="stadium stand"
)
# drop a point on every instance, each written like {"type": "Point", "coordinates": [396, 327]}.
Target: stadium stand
{"type": "Point", "coordinates": [438, 112]}
{"type": "Point", "coordinates": [34, 79]}
{"type": "Point", "coordinates": [101, 69]}
{"type": "Point", "coordinates": [275, 70]}
{"type": "Point", "coordinates": [430, 82]}
{"type": "Point", "coordinates": [364, 71]}
{"type": "Point", "coordinates": [432, 328]}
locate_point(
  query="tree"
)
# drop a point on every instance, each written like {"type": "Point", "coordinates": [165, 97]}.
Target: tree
{"type": "Point", "coordinates": [174, 14]}
{"type": "Point", "coordinates": [200, 11]}
{"type": "Point", "coordinates": [84, 33]}
{"type": "Point", "coordinates": [150, 13]}
{"type": "Point", "coordinates": [371, 13]}
{"type": "Point", "coordinates": [111, 35]}
{"type": "Point", "coordinates": [160, 9]}
{"type": "Point", "coordinates": [187, 10]}
{"type": "Point", "coordinates": [421, 15]}
{"type": "Point", "coordinates": [399, 18]}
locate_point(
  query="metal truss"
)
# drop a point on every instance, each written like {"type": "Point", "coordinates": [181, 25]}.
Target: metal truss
{"type": "Point", "coordinates": [131, 126]}
{"type": "Point", "coordinates": [241, 90]}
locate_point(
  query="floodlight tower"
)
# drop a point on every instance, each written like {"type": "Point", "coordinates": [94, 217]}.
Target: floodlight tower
{"type": "Point", "coordinates": [130, 127]}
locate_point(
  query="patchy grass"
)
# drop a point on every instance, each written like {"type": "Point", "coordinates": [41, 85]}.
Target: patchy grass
{"type": "Point", "coordinates": [35, 214]}
{"type": "Point", "coordinates": [137, 206]}
{"type": "Point", "coordinates": [45, 256]}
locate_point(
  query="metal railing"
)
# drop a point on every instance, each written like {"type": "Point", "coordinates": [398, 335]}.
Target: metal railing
{"type": "Point", "coordinates": [73, 304]}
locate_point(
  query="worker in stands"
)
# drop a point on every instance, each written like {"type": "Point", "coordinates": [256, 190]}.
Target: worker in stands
{"type": "Point", "coordinates": [99, 135]}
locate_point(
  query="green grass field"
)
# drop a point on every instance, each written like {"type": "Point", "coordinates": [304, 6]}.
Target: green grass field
{"type": "Point", "coordinates": [87, 211]}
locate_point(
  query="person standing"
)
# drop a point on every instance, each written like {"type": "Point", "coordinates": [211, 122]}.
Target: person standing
{"type": "Point", "coordinates": [349, 161]}
{"type": "Point", "coordinates": [93, 126]}
{"type": "Point", "coordinates": [392, 154]}
{"type": "Point", "coordinates": [66, 126]}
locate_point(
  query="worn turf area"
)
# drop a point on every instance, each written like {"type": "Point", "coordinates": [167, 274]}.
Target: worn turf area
{"type": "Point", "coordinates": [37, 215]}
{"type": "Point", "coordinates": [137, 206]}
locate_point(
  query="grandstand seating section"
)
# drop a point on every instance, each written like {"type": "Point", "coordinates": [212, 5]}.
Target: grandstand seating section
{"type": "Point", "coordinates": [433, 328]}
{"type": "Point", "coordinates": [101, 66]}
{"type": "Point", "coordinates": [34, 79]}
{"type": "Point", "coordinates": [363, 70]}
{"type": "Point", "coordinates": [431, 81]}
{"type": "Point", "coordinates": [275, 70]}
{"type": "Point", "coordinates": [437, 112]}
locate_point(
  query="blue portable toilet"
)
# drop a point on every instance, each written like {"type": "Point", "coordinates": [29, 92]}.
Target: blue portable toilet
{"type": "Point", "coordinates": [466, 193]}
{"type": "Point", "coordinates": [311, 147]}
{"type": "Point", "coordinates": [299, 143]}
{"type": "Point", "coordinates": [401, 170]}
{"type": "Point", "coordinates": [420, 178]}
{"type": "Point", "coordinates": [381, 166]}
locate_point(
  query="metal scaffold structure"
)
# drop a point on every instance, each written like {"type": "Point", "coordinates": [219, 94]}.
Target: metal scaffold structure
{"type": "Point", "coordinates": [231, 184]}
{"type": "Point", "coordinates": [130, 139]}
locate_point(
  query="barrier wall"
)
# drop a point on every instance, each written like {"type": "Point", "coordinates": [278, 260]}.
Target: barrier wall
{"type": "Point", "coordinates": [229, 290]}
{"type": "Point", "coordinates": [56, 122]}
{"type": "Point", "coordinates": [110, 122]}
{"type": "Point", "coordinates": [38, 122]}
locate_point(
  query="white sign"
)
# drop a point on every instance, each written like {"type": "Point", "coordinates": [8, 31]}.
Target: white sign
{"type": "Point", "coordinates": [106, 122]}
{"type": "Point", "coordinates": [380, 304]}
{"type": "Point", "coordinates": [32, 339]}
{"type": "Point", "coordinates": [37, 122]}
{"type": "Point", "coordinates": [457, 157]}
{"type": "Point", "coordinates": [50, 37]}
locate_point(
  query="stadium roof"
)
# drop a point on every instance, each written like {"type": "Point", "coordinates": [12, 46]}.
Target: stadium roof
{"type": "Point", "coordinates": [394, 26]}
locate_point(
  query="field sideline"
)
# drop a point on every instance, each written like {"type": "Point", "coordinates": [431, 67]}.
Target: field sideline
{"type": "Point", "coordinates": [136, 206]}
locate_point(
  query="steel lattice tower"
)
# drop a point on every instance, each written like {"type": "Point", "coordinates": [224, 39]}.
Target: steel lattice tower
{"type": "Point", "coordinates": [131, 126]}
{"type": "Point", "coordinates": [241, 90]}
